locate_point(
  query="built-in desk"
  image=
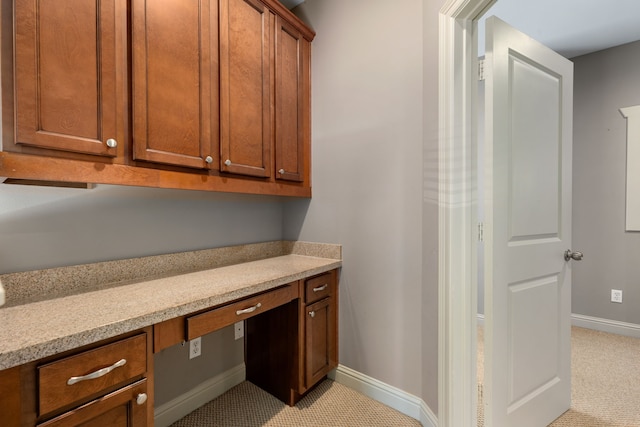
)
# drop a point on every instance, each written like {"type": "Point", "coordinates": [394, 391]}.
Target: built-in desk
{"type": "Point", "coordinates": [289, 301]}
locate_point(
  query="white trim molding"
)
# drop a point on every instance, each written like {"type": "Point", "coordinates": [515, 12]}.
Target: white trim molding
{"type": "Point", "coordinates": [393, 397]}
{"type": "Point", "coordinates": [457, 293]}
{"type": "Point", "coordinates": [170, 412]}
{"type": "Point", "coordinates": [606, 325]}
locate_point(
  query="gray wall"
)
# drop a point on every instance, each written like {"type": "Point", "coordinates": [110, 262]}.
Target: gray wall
{"type": "Point", "coordinates": [50, 227]}
{"type": "Point", "coordinates": [369, 152]}
{"type": "Point", "coordinates": [604, 82]}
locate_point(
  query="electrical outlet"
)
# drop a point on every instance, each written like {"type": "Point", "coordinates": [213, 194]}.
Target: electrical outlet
{"type": "Point", "coordinates": [195, 347]}
{"type": "Point", "coordinates": [616, 295]}
{"type": "Point", "coordinates": [238, 328]}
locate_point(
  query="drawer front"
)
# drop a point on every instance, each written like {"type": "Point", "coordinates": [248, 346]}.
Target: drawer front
{"type": "Point", "coordinates": [318, 287]}
{"type": "Point", "coordinates": [218, 318]}
{"type": "Point", "coordinates": [77, 377]}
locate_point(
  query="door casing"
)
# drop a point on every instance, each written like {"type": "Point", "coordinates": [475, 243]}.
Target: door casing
{"type": "Point", "coordinates": [457, 215]}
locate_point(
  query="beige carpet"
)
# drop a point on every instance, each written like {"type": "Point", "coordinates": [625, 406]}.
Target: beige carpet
{"type": "Point", "coordinates": [605, 381]}
{"type": "Point", "coordinates": [329, 404]}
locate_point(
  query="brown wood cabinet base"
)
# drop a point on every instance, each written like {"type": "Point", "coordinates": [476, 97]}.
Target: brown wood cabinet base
{"type": "Point", "coordinates": [120, 397]}
{"type": "Point", "coordinates": [289, 350]}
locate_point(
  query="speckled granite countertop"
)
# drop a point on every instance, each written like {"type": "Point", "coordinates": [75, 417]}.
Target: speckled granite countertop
{"type": "Point", "coordinates": [34, 326]}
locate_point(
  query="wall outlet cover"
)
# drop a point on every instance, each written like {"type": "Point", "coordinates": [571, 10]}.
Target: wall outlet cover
{"type": "Point", "coordinates": [616, 295]}
{"type": "Point", "coordinates": [195, 347]}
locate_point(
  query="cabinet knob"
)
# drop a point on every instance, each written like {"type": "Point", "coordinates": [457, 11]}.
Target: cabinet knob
{"type": "Point", "coordinates": [141, 398]}
{"type": "Point", "coordinates": [208, 159]}
{"type": "Point", "coordinates": [312, 313]}
{"type": "Point", "coordinates": [112, 143]}
{"type": "Point", "coordinates": [281, 171]}
{"type": "Point", "coordinates": [227, 162]}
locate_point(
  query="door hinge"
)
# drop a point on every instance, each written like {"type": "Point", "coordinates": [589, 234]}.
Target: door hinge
{"type": "Point", "coordinates": [481, 70]}
{"type": "Point", "coordinates": [480, 232]}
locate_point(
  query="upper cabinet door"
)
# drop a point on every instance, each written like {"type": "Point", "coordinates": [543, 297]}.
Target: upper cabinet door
{"type": "Point", "coordinates": [70, 75]}
{"type": "Point", "coordinates": [175, 82]}
{"type": "Point", "coordinates": [292, 62]}
{"type": "Point", "coordinates": [246, 79]}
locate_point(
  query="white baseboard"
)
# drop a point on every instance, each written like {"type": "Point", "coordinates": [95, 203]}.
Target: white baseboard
{"type": "Point", "coordinates": [393, 397]}
{"type": "Point", "coordinates": [606, 325]}
{"type": "Point", "coordinates": [188, 402]}
{"type": "Point", "coordinates": [598, 324]}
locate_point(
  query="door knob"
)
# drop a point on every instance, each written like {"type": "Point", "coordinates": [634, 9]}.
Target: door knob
{"type": "Point", "coordinates": [569, 255]}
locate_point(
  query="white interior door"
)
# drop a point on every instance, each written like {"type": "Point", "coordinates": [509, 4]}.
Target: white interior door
{"type": "Point", "coordinates": [528, 138]}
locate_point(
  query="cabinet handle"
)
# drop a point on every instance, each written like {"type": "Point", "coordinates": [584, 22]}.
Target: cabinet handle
{"type": "Point", "coordinates": [141, 398]}
{"type": "Point", "coordinates": [227, 162]}
{"type": "Point", "coordinates": [312, 313]}
{"type": "Point", "coordinates": [208, 159]}
{"type": "Point", "coordinates": [97, 374]}
{"type": "Point", "coordinates": [281, 171]}
{"type": "Point", "coordinates": [321, 288]}
{"type": "Point", "coordinates": [248, 310]}
{"type": "Point", "coordinates": [112, 143]}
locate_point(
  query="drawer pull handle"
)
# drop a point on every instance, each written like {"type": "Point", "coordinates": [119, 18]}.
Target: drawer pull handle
{"type": "Point", "coordinates": [312, 314]}
{"type": "Point", "coordinates": [321, 288]}
{"type": "Point", "coordinates": [97, 374]}
{"type": "Point", "coordinates": [248, 310]}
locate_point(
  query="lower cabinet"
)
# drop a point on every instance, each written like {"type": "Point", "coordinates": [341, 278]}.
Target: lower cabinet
{"type": "Point", "coordinates": [105, 384]}
{"type": "Point", "coordinates": [291, 344]}
{"type": "Point", "coordinates": [292, 348]}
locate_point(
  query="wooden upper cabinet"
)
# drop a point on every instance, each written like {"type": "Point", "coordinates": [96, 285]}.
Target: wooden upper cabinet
{"type": "Point", "coordinates": [246, 81]}
{"type": "Point", "coordinates": [70, 75]}
{"type": "Point", "coordinates": [175, 82]}
{"type": "Point", "coordinates": [207, 95]}
{"type": "Point", "coordinates": [291, 110]}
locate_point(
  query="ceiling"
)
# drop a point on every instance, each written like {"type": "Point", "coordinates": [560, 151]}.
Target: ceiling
{"type": "Point", "coordinates": [573, 27]}
{"type": "Point", "coordinates": [570, 27]}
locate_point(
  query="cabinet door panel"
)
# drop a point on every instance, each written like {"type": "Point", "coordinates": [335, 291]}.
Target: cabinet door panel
{"type": "Point", "coordinates": [291, 49]}
{"type": "Point", "coordinates": [246, 76]}
{"type": "Point", "coordinates": [69, 75]}
{"type": "Point", "coordinates": [118, 409]}
{"type": "Point", "coordinates": [321, 349]}
{"type": "Point", "coordinates": [175, 82]}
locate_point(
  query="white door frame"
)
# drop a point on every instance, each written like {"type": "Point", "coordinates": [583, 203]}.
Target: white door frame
{"type": "Point", "coordinates": [457, 284]}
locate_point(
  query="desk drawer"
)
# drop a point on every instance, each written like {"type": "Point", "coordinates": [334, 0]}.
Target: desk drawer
{"type": "Point", "coordinates": [218, 318]}
{"type": "Point", "coordinates": [86, 374]}
{"type": "Point", "coordinates": [317, 288]}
